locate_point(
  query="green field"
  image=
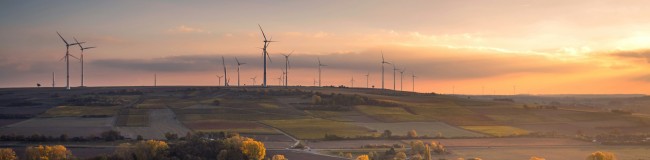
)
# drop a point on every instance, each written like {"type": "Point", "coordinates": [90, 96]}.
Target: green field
{"type": "Point", "coordinates": [78, 111]}
{"type": "Point", "coordinates": [390, 114]}
{"type": "Point", "coordinates": [317, 128]}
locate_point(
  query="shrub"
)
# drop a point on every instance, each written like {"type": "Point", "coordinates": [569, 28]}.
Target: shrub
{"type": "Point", "coordinates": [316, 99]}
{"type": "Point", "coordinates": [7, 154]}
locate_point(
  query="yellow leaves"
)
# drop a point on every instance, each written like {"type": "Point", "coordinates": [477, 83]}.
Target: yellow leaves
{"type": "Point", "coordinates": [363, 157]}
{"type": "Point", "coordinates": [7, 154]}
{"type": "Point", "coordinates": [41, 152]}
{"type": "Point", "coordinates": [254, 150]}
{"type": "Point", "coordinates": [600, 155]}
{"type": "Point", "coordinates": [150, 149]}
{"type": "Point", "coordinates": [278, 157]}
{"type": "Point", "coordinates": [537, 158]}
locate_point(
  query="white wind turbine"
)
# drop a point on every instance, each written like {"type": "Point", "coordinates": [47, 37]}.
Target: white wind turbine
{"type": "Point", "coordinates": [401, 79]}
{"type": "Point", "coordinates": [238, 64]}
{"type": "Point", "coordinates": [254, 81]}
{"type": "Point", "coordinates": [382, 69]}
{"type": "Point", "coordinates": [367, 80]}
{"type": "Point", "coordinates": [219, 80]}
{"type": "Point", "coordinates": [265, 53]}
{"type": "Point", "coordinates": [394, 74]}
{"type": "Point", "coordinates": [413, 76]}
{"type": "Point", "coordinates": [67, 60]}
{"type": "Point", "coordinates": [287, 65]}
{"type": "Point", "coordinates": [225, 73]}
{"type": "Point", "coordinates": [352, 81]}
{"type": "Point", "coordinates": [319, 72]}
{"type": "Point", "coordinates": [82, 59]}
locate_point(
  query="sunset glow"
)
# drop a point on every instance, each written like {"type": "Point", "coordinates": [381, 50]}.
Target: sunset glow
{"type": "Point", "coordinates": [482, 47]}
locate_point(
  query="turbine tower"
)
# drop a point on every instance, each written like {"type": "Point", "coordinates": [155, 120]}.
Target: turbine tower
{"type": "Point", "coordinates": [287, 65]}
{"type": "Point", "coordinates": [413, 76]}
{"type": "Point", "coordinates": [82, 59]}
{"type": "Point", "coordinates": [382, 69]}
{"type": "Point", "coordinates": [67, 60]}
{"type": "Point", "coordinates": [265, 53]}
{"type": "Point", "coordinates": [238, 64]}
{"type": "Point", "coordinates": [401, 79]}
{"type": "Point", "coordinates": [53, 84]}
{"type": "Point", "coordinates": [225, 73]}
{"type": "Point", "coordinates": [155, 80]}
{"type": "Point", "coordinates": [319, 71]}
{"type": "Point", "coordinates": [352, 81]}
{"type": "Point", "coordinates": [367, 80]}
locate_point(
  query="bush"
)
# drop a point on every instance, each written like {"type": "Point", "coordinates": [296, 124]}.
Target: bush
{"type": "Point", "coordinates": [111, 135]}
{"type": "Point", "coordinates": [316, 99]}
{"type": "Point", "coordinates": [7, 154]}
{"type": "Point", "coordinates": [48, 152]}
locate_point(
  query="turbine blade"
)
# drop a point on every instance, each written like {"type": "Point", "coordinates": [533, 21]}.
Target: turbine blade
{"type": "Point", "coordinates": [62, 58]}
{"type": "Point", "coordinates": [267, 55]}
{"type": "Point", "coordinates": [262, 31]}
{"type": "Point", "coordinates": [75, 57]}
{"type": "Point", "coordinates": [66, 42]}
{"type": "Point", "coordinates": [89, 47]}
{"type": "Point", "coordinates": [237, 60]}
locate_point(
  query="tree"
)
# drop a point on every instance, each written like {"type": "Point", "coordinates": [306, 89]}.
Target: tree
{"type": "Point", "coordinates": [7, 154]}
{"type": "Point", "coordinates": [278, 157]}
{"type": "Point", "coordinates": [438, 148]}
{"type": "Point", "coordinates": [600, 155]}
{"type": "Point", "coordinates": [536, 158]}
{"type": "Point", "coordinates": [387, 134]}
{"type": "Point", "coordinates": [427, 152]}
{"type": "Point", "coordinates": [400, 156]}
{"type": "Point", "coordinates": [348, 155]}
{"type": "Point", "coordinates": [416, 157]}
{"type": "Point", "coordinates": [417, 147]}
{"type": "Point", "coordinates": [252, 149]}
{"type": "Point", "coordinates": [47, 152]}
{"type": "Point", "coordinates": [412, 134]}
{"type": "Point", "coordinates": [315, 99]}
{"type": "Point", "coordinates": [150, 149]}
{"type": "Point", "coordinates": [363, 157]}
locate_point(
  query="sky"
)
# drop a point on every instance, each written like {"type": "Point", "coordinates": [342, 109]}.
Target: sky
{"type": "Point", "coordinates": [451, 46]}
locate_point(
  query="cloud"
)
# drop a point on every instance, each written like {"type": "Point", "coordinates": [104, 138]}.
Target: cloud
{"type": "Point", "coordinates": [634, 54]}
{"type": "Point", "coordinates": [437, 63]}
{"type": "Point", "coordinates": [644, 78]}
{"type": "Point", "coordinates": [187, 29]}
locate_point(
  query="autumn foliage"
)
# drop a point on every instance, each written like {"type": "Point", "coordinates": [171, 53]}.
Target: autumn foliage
{"type": "Point", "coordinates": [7, 154]}
{"type": "Point", "coordinates": [41, 152]}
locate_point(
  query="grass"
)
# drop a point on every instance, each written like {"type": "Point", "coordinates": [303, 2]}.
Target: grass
{"type": "Point", "coordinates": [317, 128]}
{"type": "Point", "coordinates": [78, 111]}
{"type": "Point", "coordinates": [497, 131]}
{"type": "Point", "coordinates": [390, 114]}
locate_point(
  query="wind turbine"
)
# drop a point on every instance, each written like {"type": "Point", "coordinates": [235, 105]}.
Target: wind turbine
{"type": "Point", "coordinates": [319, 71]}
{"type": "Point", "coordinates": [82, 59]}
{"type": "Point", "coordinates": [394, 74]}
{"type": "Point", "coordinates": [413, 76]}
{"type": "Point", "coordinates": [382, 69]}
{"type": "Point", "coordinates": [254, 80]}
{"type": "Point", "coordinates": [155, 80]}
{"type": "Point", "coordinates": [67, 60]}
{"type": "Point", "coordinates": [286, 68]}
{"type": "Point", "coordinates": [314, 81]}
{"type": "Point", "coordinates": [265, 53]}
{"type": "Point", "coordinates": [401, 79]}
{"type": "Point", "coordinates": [219, 79]}
{"type": "Point", "coordinates": [225, 73]}
{"type": "Point", "coordinates": [352, 81]}
{"type": "Point", "coordinates": [367, 80]}
{"type": "Point", "coordinates": [238, 64]}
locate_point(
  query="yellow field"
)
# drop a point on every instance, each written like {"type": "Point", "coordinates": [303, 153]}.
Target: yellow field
{"type": "Point", "coordinates": [77, 111]}
{"type": "Point", "coordinates": [497, 130]}
{"type": "Point", "coordinates": [390, 114]}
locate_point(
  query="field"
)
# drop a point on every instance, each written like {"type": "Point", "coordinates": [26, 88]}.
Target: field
{"type": "Point", "coordinates": [317, 128]}
{"type": "Point", "coordinates": [72, 126]}
{"type": "Point", "coordinates": [389, 114]}
{"type": "Point", "coordinates": [470, 126]}
{"type": "Point", "coordinates": [498, 131]}
{"type": "Point", "coordinates": [160, 122]}
{"type": "Point", "coordinates": [242, 127]}
{"type": "Point", "coordinates": [79, 111]}
{"type": "Point", "coordinates": [431, 129]}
